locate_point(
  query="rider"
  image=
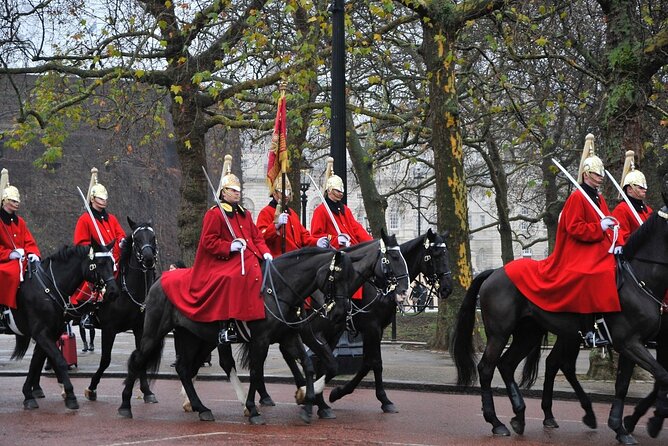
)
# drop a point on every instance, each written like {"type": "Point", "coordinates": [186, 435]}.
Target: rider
{"type": "Point", "coordinates": [272, 223]}
{"type": "Point", "coordinates": [225, 280]}
{"type": "Point", "coordinates": [635, 187]}
{"type": "Point", "coordinates": [579, 275]}
{"type": "Point", "coordinates": [351, 232]}
{"type": "Point", "coordinates": [87, 229]}
{"type": "Point", "coordinates": [16, 246]}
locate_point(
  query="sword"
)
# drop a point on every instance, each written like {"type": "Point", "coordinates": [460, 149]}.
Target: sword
{"type": "Point", "coordinates": [626, 199]}
{"type": "Point", "coordinates": [329, 211]}
{"type": "Point", "coordinates": [227, 220]}
{"type": "Point", "coordinates": [90, 213]}
{"type": "Point", "coordinates": [591, 202]}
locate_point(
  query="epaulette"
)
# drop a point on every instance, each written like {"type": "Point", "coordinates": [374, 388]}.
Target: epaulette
{"type": "Point", "coordinates": [226, 207]}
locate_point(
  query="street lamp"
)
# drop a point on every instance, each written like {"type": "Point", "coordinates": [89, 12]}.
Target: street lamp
{"type": "Point", "coordinates": [418, 176]}
{"type": "Point", "coordinates": [304, 184]}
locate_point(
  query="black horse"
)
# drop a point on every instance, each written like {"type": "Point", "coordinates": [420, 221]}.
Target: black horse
{"type": "Point", "coordinates": [43, 301]}
{"type": "Point", "coordinates": [505, 310]}
{"type": "Point", "coordinates": [136, 275]}
{"type": "Point", "coordinates": [427, 255]}
{"type": "Point", "coordinates": [292, 277]}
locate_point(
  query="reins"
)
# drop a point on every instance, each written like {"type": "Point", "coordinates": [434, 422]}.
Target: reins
{"type": "Point", "coordinates": [139, 258]}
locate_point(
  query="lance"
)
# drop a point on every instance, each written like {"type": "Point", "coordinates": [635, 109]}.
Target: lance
{"type": "Point", "coordinates": [329, 211]}
{"type": "Point", "coordinates": [626, 199]}
{"type": "Point", "coordinates": [227, 220]}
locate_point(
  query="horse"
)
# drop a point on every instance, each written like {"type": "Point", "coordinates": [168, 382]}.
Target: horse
{"type": "Point", "coordinates": [505, 310]}
{"type": "Point", "coordinates": [292, 277]}
{"type": "Point", "coordinates": [42, 305]}
{"type": "Point", "coordinates": [136, 275]}
{"type": "Point", "coordinates": [426, 254]}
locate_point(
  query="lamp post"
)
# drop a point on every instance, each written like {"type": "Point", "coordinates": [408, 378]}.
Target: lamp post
{"type": "Point", "coordinates": [418, 175]}
{"type": "Point", "coordinates": [304, 185]}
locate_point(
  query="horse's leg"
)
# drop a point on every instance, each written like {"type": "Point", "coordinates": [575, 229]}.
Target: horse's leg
{"type": "Point", "coordinates": [226, 361]}
{"type": "Point", "coordinates": [624, 372]}
{"type": "Point", "coordinates": [486, 366]}
{"type": "Point", "coordinates": [523, 342]}
{"type": "Point", "coordinates": [641, 409]}
{"type": "Point", "coordinates": [108, 338]}
{"type": "Point", "coordinates": [298, 350]}
{"type": "Point", "coordinates": [144, 386]}
{"type": "Point", "coordinates": [655, 423]}
{"type": "Point", "coordinates": [59, 367]}
{"type": "Point", "coordinates": [34, 371]}
{"type": "Point", "coordinates": [571, 350]}
{"type": "Point", "coordinates": [188, 348]}
{"type": "Point", "coordinates": [257, 355]}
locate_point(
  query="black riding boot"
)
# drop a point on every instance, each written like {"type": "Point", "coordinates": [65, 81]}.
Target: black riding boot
{"type": "Point", "coordinates": [227, 334]}
{"type": "Point", "coordinates": [599, 337]}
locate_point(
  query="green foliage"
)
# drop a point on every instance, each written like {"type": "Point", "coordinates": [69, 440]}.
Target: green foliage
{"type": "Point", "coordinates": [625, 57]}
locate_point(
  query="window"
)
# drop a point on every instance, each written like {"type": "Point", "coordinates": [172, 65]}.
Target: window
{"type": "Point", "coordinates": [482, 220]}
{"type": "Point", "coordinates": [527, 252]}
{"type": "Point", "coordinates": [393, 224]}
{"type": "Point", "coordinates": [524, 225]}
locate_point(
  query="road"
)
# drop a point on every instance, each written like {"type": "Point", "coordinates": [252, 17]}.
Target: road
{"type": "Point", "coordinates": [425, 418]}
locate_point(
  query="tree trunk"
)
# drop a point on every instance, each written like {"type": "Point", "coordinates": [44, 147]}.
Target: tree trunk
{"type": "Point", "coordinates": [190, 131]}
{"type": "Point", "coordinates": [438, 49]}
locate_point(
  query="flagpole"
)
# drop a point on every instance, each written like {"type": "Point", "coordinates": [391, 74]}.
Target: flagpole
{"type": "Point", "coordinates": [284, 169]}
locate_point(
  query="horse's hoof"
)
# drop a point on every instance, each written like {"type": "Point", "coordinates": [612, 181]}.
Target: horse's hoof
{"type": "Point", "coordinates": [335, 394]}
{"type": "Point", "coordinates": [38, 393]}
{"type": "Point", "coordinates": [654, 425]}
{"type": "Point", "coordinates": [150, 398]}
{"type": "Point", "coordinates": [389, 408]}
{"type": "Point", "coordinates": [246, 412]}
{"type": "Point", "coordinates": [626, 439]}
{"type": "Point", "coordinates": [207, 415]}
{"type": "Point", "coordinates": [30, 404]}
{"type": "Point", "coordinates": [326, 414]}
{"type": "Point", "coordinates": [187, 407]}
{"type": "Point", "coordinates": [300, 394]}
{"type": "Point", "coordinates": [91, 395]}
{"type": "Point", "coordinates": [267, 401]}
{"type": "Point", "coordinates": [305, 416]}
{"type": "Point", "coordinates": [72, 403]}
{"type": "Point", "coordinates": [550, 423]}
{"type": "Point", "coordinates": [590, 420]}
{"type": "Point", "coordinates": [257, 420]}
{"type": "Point", "coordinates": [125, 413]}
{"type": "Point", "coordinates": [517, 425]}
{"type": "Point", "coordinates": [501, 431]}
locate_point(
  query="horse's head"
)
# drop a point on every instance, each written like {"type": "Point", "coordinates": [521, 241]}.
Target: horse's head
{"type": "Point", "coordinates": [392, 266]}
{"type": "Point", "coordinates": [98, 269]}
{"type": "Point", "coordinates": [143, 244]}
{"type": "Point", "coordinates": [435, 264]}
{"type": "Point", "coordinates": [333, 279]}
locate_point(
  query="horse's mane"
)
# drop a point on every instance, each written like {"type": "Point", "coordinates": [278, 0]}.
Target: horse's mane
{"type": "Point", "coordinates": [303, 251]}
{"type": "Point", "coordinates": [412, 243]}
{"type": "Point", "coordinates": [646, 230]}
{"type": "Point", "coordinates": [67, 251]}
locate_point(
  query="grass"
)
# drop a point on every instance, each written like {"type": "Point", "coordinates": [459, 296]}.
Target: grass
{"type": "Point", "coordinates": [420, 327]}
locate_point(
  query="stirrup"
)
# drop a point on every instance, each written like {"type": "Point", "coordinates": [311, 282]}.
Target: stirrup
{"type": "Point", "coordinates": [594, 340]}
{"type": "Point", "coordinates": [227, 336]}
{"type": "Point", "coordinates": [87, 321]}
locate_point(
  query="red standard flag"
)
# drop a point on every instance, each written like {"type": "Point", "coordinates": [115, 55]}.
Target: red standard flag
{"type": "Point", "coordinates": [278, 154]}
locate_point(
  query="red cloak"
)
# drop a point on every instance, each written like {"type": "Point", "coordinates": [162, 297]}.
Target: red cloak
{"type": "Point", "coordinates": [14, 234]}
{"type": "Point", "coordinates": [214, 289]}
{"type": "Point", "coordinates": [579, 275]}
{"type": "Point", "coordinates": [296, 235]}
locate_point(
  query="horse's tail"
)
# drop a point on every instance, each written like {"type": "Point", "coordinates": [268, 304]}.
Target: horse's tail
{"type": "Point", "coordinates": [530, 370]}
{"type": "Point", "coordinates": [244, 355]}
{"type": "Point", "coordinates": [461, 347]}
{"type": "Point", "coordinates": [21, 347]}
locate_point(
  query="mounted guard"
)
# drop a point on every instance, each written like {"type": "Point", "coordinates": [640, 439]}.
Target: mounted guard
{"type": "Point", "coordinates": [224, 282]}
{"type": "Point", "coordinates": [17, 248]}
{"type": "Point", "coordinates": [632, 211]}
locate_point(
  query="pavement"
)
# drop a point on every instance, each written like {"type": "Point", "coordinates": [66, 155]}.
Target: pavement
{"type": "Point", "coordinates": [406, 365]}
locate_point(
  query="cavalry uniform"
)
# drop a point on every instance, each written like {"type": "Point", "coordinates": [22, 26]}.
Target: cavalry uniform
{"type": "Point", "coordinates": [622, 212]}
{"type": "Point", "coordinates": [219, 286]}
{"type": "Point", "coordinates": [85, 232]}
{"type": "Point", "coordinates": [579, 275]}
{"type": "Point", "coordinates": [296, 235]}
{"type": "Point", "coordinates": [14, 235]}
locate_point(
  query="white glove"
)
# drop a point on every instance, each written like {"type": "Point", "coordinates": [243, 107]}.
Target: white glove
{"type": "Point", "coordinates": [268, 256]}
{"type": "Point", "coordinates": [323, 242]}
{"type": "Point", "coordinates": [122, 243]}
{"type": "Point", "coordinates": [607, 223]}
{"type": "Point", "coordinates": [618, 249]}
{"type": "Point", "coordinates": [282, 220]}
{"type": "Point", "coordinates": [33, 257]}
{"type": "Point", "coordinates": [344, 240]}
{"type": "Point", "coordinates": [236, 245]}
{"type": "Point", "coordinates": [18, 253]}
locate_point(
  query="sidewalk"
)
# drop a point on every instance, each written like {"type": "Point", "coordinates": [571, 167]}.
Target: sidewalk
{"type": "Point", "coordinates": [405, 366]}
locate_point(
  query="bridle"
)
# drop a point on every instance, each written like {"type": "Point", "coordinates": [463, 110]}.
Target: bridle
{"type": "Point", "coordinates": [330, 297]}
{"type": "Point", "coordinates": [138, 251]}
{"type": "Point", "coordinates": [137, 262]}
